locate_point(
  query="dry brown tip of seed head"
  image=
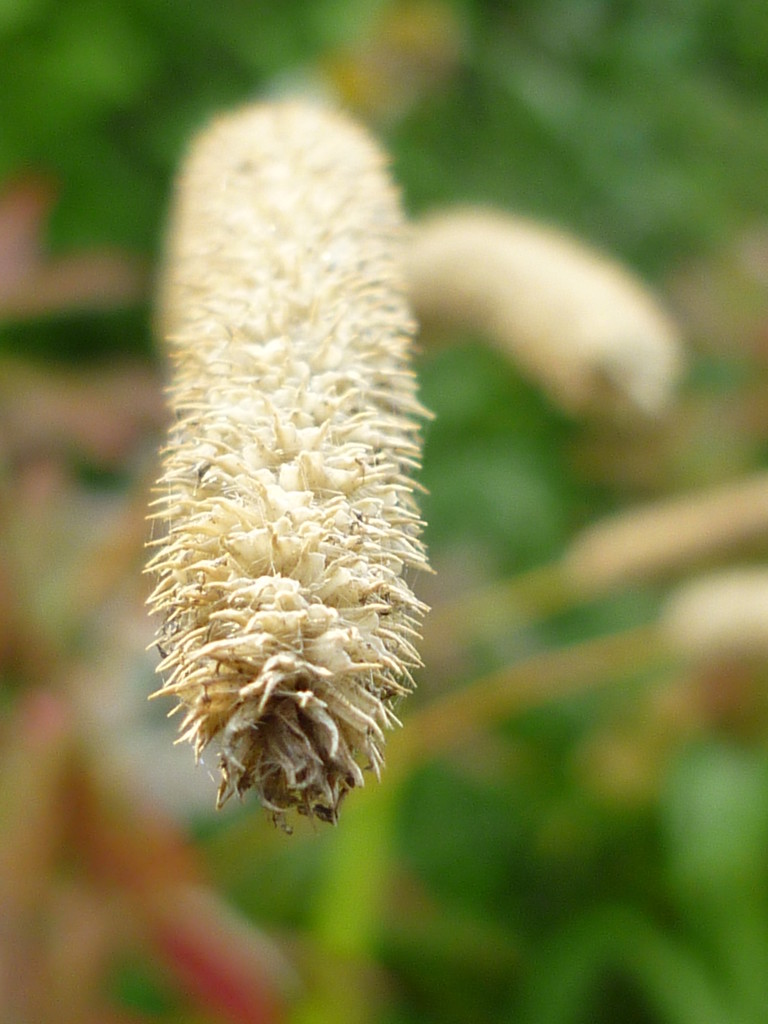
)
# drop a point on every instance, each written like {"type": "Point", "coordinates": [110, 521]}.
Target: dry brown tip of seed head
{"type": "Point", "coordinates": [286, 509]}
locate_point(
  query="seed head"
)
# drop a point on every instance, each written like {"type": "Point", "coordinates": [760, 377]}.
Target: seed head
{"type": "Point", "coordinates": [578, 323]}
{"type": "Point", "coordinates": [720, 615]}
{"type": "Point", "coordinates": [289, 522]}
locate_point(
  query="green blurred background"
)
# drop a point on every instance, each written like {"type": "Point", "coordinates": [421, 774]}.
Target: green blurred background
{"type": "Point", "coordinates": [601, 857]}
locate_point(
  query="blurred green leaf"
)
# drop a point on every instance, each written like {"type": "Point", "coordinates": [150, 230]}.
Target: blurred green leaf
{"type": "Point", "coordinates": [716, 824]}
{"type": "Point", "coordinates": [570, 980]}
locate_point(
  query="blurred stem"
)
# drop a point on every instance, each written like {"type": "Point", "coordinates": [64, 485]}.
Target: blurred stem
{"type": "Point", "coordinates": [544, 677]}
{"type": "Point", "coordinates": [351, 902]}
{"type": "Point", "coordinates": [480, 614]}
{"type": "Point", "coordinates": [349, 909]}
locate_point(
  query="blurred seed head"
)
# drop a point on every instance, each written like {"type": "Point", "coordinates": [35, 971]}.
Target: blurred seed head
{"type": "Point", "coordinates": [720, 615]}
{"type": "Point", "coordinates": [577, 322]}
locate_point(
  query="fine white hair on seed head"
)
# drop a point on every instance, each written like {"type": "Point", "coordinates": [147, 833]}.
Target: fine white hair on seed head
{"type": "Point", "coordinates": [288, 523]}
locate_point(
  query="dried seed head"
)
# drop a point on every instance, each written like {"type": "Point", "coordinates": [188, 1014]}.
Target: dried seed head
{"type": "Point", "coordinates": [720, 615]}
{"type": "Point", "coordinates": [578, 323]}
{"type": "Point", "coordinates": [289, 512]}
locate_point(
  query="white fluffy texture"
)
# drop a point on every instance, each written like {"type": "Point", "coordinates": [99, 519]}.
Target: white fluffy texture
{"type": "Point", "coordinates": [286, 497]}
{"type": "Point", "coordinates": [575, 321]}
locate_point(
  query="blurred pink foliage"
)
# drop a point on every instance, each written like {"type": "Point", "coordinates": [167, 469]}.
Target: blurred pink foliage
{"type": "Point", "coordinates": [92, 868]}
{"type": "Point", "coordinates": [34, 284]}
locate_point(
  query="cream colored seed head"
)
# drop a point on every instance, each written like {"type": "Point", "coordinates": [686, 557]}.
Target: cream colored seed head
{"type": "Point", "coordinates": [721, 615]}
{"type": "Point", "coordinates": [578, 323]}
{"type": "Point", "coordinates": [290, 524]}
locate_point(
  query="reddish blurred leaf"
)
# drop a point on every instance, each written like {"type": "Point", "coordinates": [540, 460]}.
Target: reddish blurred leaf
{"type": "Point", "coordinates": [37, 744]}
{"type": "Point", "coordinates": [98, 415]}
{"type": "Point", "coordinates": [217, 960]}
{"type": "Point", "coordinates": [32, 285]}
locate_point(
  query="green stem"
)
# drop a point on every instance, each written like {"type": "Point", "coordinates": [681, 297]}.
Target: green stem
{"type": "Point", "coordinates": [349, 908]}
{"type": "Point", "coordinates": [480, 614]}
